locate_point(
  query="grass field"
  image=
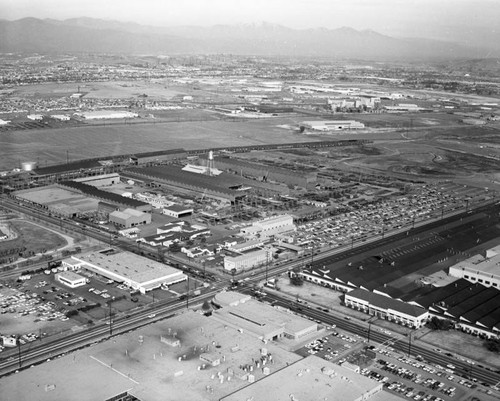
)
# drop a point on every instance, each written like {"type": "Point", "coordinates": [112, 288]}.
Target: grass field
{"type": "Point", "coordinates": [35, 238]}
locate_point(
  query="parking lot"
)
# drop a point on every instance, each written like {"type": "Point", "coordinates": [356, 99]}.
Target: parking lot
{"type": "Point", "coordinates": [369, 219]}
{"type": "Point", "coordinates": [42, 305]}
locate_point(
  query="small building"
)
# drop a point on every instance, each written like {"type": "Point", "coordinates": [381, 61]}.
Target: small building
{"type": "Point", "coordinates": [170, 340]}
{"type": "Point", "coordinates": [177, 211]}
{"type": "Point", "coordinates": [35, 117]}
{"type": "Point", "coordinates": [71, 279]}
{"type": "Point", "coordinates": [8, 342]}
{"type": "Point", "coordinates": [351, 366]}
{"type": "Point", "coordinates": [211, 359]}
{"type": "Point", "coordinates": [129, 218]}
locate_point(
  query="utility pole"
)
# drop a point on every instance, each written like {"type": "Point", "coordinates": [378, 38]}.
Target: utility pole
{"type": "Point", "coordinates": [409, 343]}
{"type": "Point", "coordinates": [19, 349]}
{"type": "Point", "coordinates": [110, 320]}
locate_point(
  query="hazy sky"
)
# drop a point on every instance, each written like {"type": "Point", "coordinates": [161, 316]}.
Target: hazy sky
{"type": "Point", "coordinates": [430, 18]}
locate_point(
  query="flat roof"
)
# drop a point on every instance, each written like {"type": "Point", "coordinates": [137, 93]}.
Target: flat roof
{"type": "Point", "coordinates": [260, 318]}
{"type": "Point", "coordinates": [178, 208]}
{"type": "Point", "coordinates": [131, 212]}
{"type": "Point", "coordinates": [306, 379]}
{"type": "Point", "coordinates": [70, 275]}
{"type": "Point", "coordinates": [481, 264]}
{"type": "Point", "coordinates": [130, 266]}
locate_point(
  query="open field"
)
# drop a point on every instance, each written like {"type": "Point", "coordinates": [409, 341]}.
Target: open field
{"type": "Point", "coordinates": [99, 90]}
{"type": "Point", "coordinates": [50, 146]}
{"type": "Point", "coordinates": [33, 237]}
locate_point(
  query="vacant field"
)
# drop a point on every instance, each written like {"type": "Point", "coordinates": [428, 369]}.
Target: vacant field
{"type": "Point", "coordinates": [113, 90]}
{"type": "Point", "coordinates": [33, 237]}
{"type": "Point", "coordinates": [51, 146]}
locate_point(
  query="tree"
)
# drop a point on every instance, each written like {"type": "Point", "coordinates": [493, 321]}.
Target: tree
{"type": "Point", "coordinates": [492, 345]}
{"type": "Point", "coordinates": [296, 280]}
{"type": "Point", "coordinates": [440, 324]}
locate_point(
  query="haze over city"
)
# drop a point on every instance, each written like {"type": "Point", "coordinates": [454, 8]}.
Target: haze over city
{"type": "Point", "coordinates": [467, 21]}
{"type": "Point", "coordinates": [249, 200]}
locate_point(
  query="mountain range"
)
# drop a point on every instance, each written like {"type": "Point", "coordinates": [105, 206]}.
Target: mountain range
{"type": "Point", "coordinates": [91, 35]}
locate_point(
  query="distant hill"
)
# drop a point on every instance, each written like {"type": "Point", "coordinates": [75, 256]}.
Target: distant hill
{"type": "Point", "coordinates": [100, 36]}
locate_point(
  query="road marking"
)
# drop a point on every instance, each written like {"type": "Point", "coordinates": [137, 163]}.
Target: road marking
{"type": "Point", "coordinates": [113, 369]}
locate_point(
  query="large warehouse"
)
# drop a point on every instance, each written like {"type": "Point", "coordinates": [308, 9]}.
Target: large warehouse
{"type": "Point", "coordinates": [130, 269]}
{"type": "Point", "coordinates": [301, 178]}
{"type": "Point", "coordinates": [329, 125]}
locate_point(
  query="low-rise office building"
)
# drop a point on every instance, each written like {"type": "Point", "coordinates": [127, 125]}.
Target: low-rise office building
{"type": "Point", "coordinates": [386, 308]}
{"type": "Point", "coordinates": [71, 279]}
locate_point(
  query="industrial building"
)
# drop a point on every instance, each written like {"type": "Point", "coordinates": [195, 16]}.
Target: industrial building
{"type": "Point", "coordinates": [135, 271]}
{"type": "Point", "coordinates": [480, 269]}
{"type": "Point", "coordinates": [267, 173]}
{"type": "Point", "coordinates": [59, 201]}
{"type": "Point", "coordinates": [312, 378]}
{"type": "Point", "coordinates": [329, 125]}
{"type": "Point", "coordinates": [120, 201]}
{"type": "Point", "coordinates": [472, 306]}
{"type": "Point", "coordinates": [270, 226]}
{"type": "Point", "coordinates": [241, 261]}
{"type": "Point", "coordinates": [103, 180]}
{"type": "Point", "coordinates": [129, 218]}
{"type": "Point", "coordinates": [177, 211]}
{"type": "Point", "coordinates": [105, 114]}
{"type": "Point", "coordinates": [161, 156]}
{"type": "Point", "coordinates": [220, 187]}
{"type": "Point", "coordinates": [387, 308]}
{"type": "Point", "coordinates": [260, 320]}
